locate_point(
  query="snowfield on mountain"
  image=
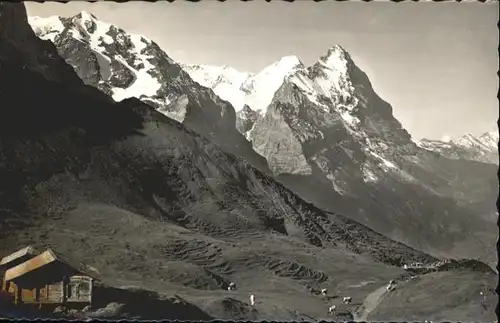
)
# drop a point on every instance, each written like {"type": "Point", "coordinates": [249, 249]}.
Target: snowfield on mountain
{"type": "Point", "coordinates": [482, 148]}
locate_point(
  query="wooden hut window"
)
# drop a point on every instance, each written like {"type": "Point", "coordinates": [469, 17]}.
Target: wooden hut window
{"type": "Point", "coordinates": [77, 290]}
{"type": "Point", "coordinates": [83, 289]}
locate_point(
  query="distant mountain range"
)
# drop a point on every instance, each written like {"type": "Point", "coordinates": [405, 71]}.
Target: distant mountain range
{"type": "Point", "coordinates": [482, 148]}
{"type": "Point", "coordinates": [251, 94]}
{"type": "Point", "coordinates": [321, 130]}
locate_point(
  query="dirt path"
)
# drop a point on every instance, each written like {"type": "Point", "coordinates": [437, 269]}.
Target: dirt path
{"type": "Point", "coordinates": [369, 304]}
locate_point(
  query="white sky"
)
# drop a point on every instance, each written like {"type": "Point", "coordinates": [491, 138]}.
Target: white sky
{"type": "Point", "coordinates": [435, 63]}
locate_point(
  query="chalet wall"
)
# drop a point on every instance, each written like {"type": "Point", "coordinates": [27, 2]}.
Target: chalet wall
{"type": "Point", "coordinates": [55, 292]}
{"type": "Point", "coordinates": [28, 295]}
{"type": "Point", "coordinates": [78, 290]}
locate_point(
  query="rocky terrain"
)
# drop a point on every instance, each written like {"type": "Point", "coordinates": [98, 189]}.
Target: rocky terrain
{"type": "Point", "coordinates": [245, 119]}
{"type": "Point", "coordinates": [126, 65]}
{"type": "Point", "coordinates": [482, 148]}
{"type": "Point", "coordinates": [328, 136]}
{"type": "Point", "coordinates": [91, 177]}
{"type": "Point", "coordinates": [249, 93]}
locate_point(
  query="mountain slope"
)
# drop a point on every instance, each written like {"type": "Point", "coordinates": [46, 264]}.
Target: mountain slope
{"type": "Point", "coordinates": [332, 139]}
{"type": "Point", "coordinates": [483, 148]}
{"type": "Point", "coordinates": [126, 65]}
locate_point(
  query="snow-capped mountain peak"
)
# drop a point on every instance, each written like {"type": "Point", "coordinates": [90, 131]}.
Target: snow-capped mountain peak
{"type": "Point", "coordinates": [113, 48]}
{"type": "Point", "coordinates": [491, 138]}
{"type": "Point", "coordinates": [86, 20]}
{"type": "Point", "coordinates": [216, 76]}
{"type": "Point", "coordinates": [328, 78]}
{"type": "Point", "coordinates": [285, 64]}
{"type": "Point", "coordinates": [469, 139]}
{"type": "Point", "coordinates": [336, 57]}
{"type": "Point", "coordinates": [241, 88]}
{"type": "Point", "coordinates": [331, 73]}
{"type": "Point", "coordinates": [483, 148]}
{"type": "Point", "coordinates": [89, 27]}
{"type": "Point", "coordinates": [126, 65]}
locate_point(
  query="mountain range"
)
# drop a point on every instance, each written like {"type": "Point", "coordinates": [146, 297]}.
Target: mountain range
{"type": "Point", "coordinates": [250, 94]}
{"type": "Point", "coordinates": [482, 148]}
{"type": "Point", "coordinates": [326, 128]}
{"type": "Point", "coordinates": [321, 130]}
{"type": "Point", "coordinates": [96, 156]}
{"type": "Point", "coordinates": [126, 65]}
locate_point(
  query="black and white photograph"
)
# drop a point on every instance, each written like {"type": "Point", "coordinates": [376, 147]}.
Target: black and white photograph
{"type": "Point", "coordinates": [249, 160]}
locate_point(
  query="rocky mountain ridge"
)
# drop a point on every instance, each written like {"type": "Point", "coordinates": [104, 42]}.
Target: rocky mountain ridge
{"type": "Point", "coordinates": [483, 148]}
{"type": "Point", "coordinates": [231, 84]}
{"type": "Point", "coordinates": [126, 65]}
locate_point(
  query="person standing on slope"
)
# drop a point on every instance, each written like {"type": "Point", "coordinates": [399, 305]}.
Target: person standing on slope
{"type": "Point", "coordinates": [483, 300]}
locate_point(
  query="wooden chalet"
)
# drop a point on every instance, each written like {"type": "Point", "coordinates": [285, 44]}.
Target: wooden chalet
{"type": "Point", "coordinates": [13, 260]}
{"type": "Point", "coordinates": [49, 278]}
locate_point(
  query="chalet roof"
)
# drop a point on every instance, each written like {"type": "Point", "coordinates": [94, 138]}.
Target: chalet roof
{"type": "Point", "coordinates": [27, 251]}
{"type": "Point", "coordinates": [43, 259]}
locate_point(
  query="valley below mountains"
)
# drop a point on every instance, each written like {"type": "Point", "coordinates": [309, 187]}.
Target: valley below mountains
{"type": "Point", "coordinates": [115, 155]}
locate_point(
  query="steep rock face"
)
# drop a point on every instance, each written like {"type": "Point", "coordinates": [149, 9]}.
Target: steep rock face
{"type": "Point", "coordinates": [125, 65]}
{"type": "Point", "coordinates": [20, 46]}
{"type": "Point", "coordinates": [482, 148]}
{"type": "Point", "coordinates": [350, 154]}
